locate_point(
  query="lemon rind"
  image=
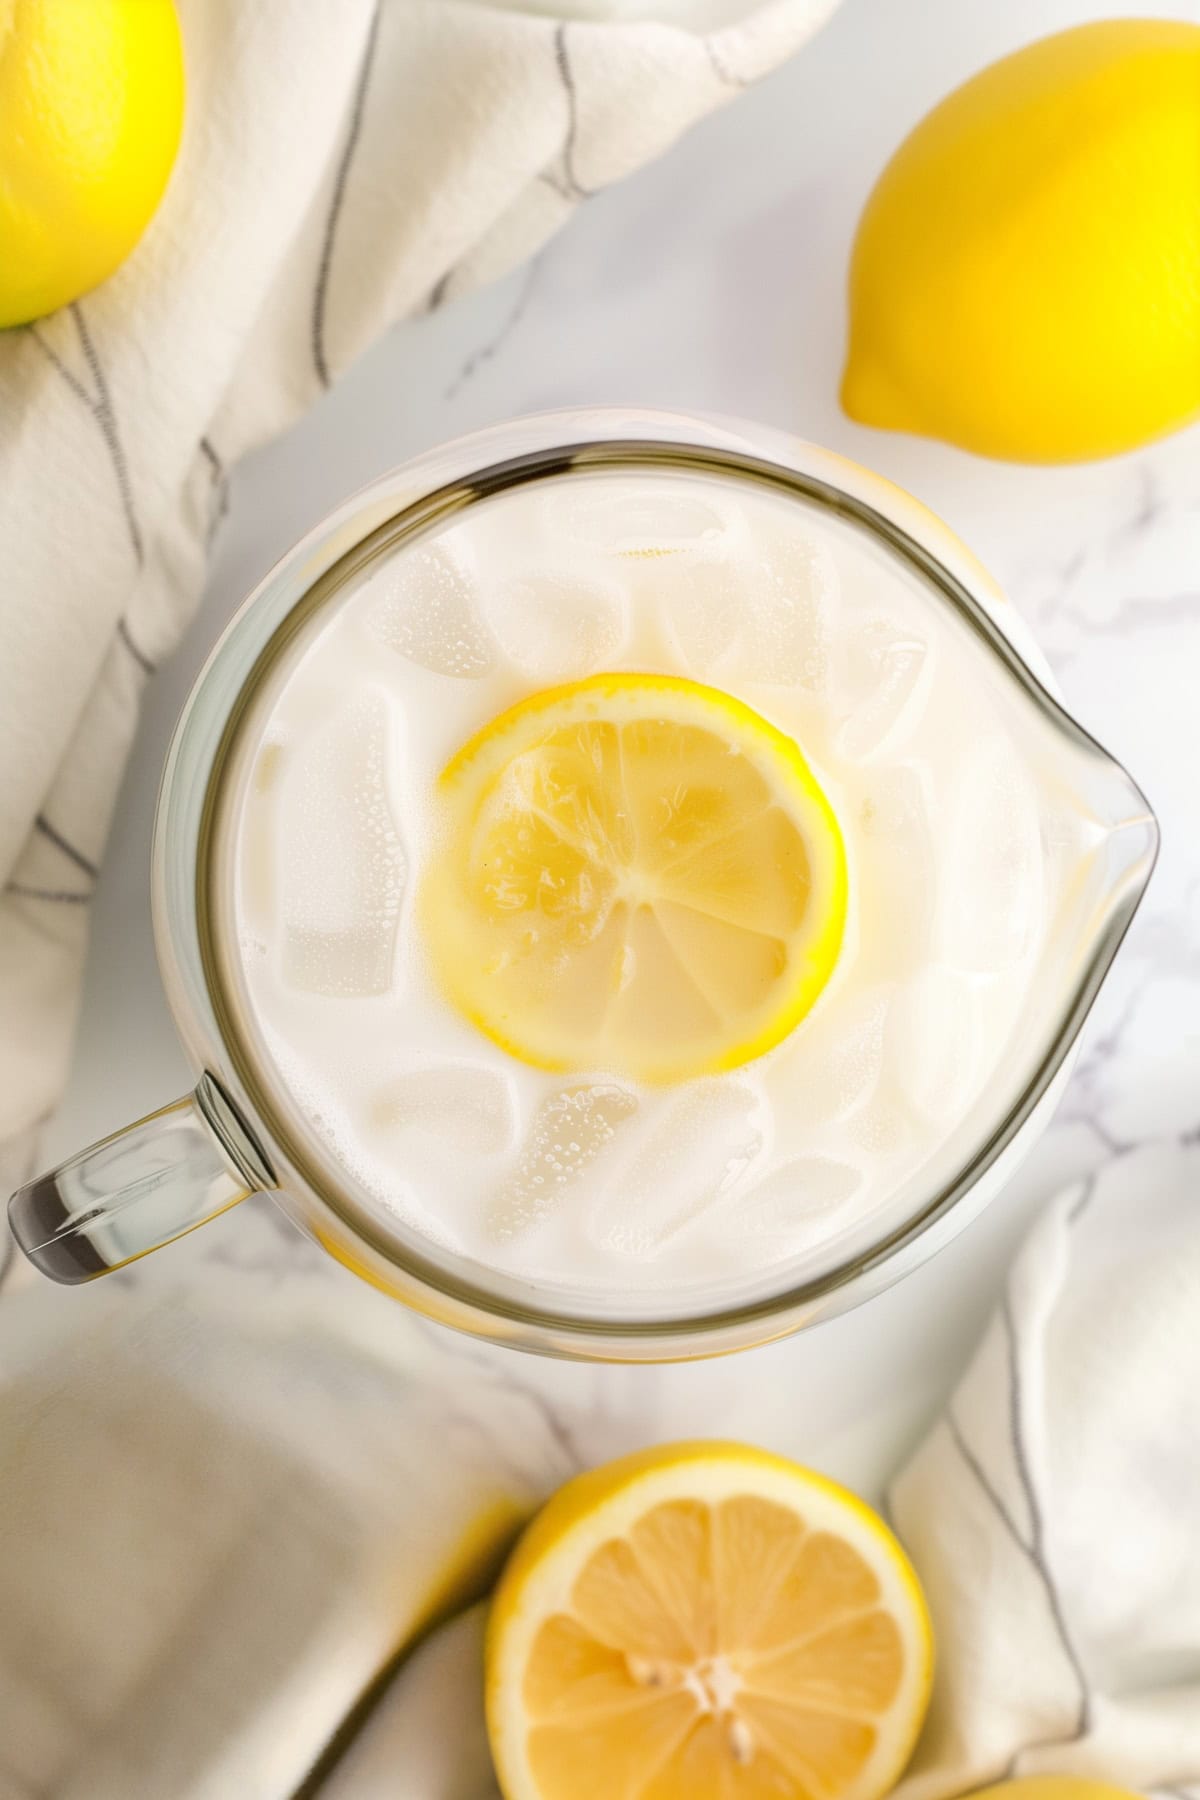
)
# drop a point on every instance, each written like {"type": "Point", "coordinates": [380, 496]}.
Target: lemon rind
{"type": "Point", "coordinates": [813, 951]}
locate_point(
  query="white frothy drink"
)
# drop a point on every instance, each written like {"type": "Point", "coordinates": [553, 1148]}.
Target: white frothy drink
{"type": "Point", "coordinates": [959, 868]}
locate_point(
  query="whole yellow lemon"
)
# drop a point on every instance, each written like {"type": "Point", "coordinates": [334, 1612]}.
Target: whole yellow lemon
{"type": "Point", "coordinates": [1026, 278]}
{"type": "Point", "coordinates": [91, 108]}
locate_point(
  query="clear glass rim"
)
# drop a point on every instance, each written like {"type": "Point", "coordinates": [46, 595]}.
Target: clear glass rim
{"type": "Point", "coordinates": [754, 1319]}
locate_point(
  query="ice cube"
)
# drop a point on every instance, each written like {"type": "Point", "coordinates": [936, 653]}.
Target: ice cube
{"type": "Point", "coordinates": [884, 670]}
{"type": "Point", "coordinates": [341, 864]}
{"type": "Point", "coordinates": [790, 1209]}
{"type": "Point", "coordinates": [753, 614]}
{"type": "Point", "coordinates": [709, 1137]}
{"type": "Point", "coordinates": [841, 1070]}
{"type": "Point", "coordinates": [615, 517]}
{"type": "Point", "coordinates": [934, 1043]}
{"type": "Point", "coordinates": [884, 1127]}
{"type": "Point", "coordinates": [992, 889]}
{"type": "Point", "coordinates": [895, 858]}
{"type": "Point", "coordinates": [555, 625]}
{"type": "Point", "coordinates": [569, 1131]}
{"type": "Point", "coordinates": [458, 1105]}
{"type": "Point", "coordinates": [429, 612]}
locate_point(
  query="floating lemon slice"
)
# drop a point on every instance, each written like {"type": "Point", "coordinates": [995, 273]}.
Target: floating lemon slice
{"type": "Point", "coordinates": [638, 873]}
{"type": "Point", "coordinates": [706, 1622]}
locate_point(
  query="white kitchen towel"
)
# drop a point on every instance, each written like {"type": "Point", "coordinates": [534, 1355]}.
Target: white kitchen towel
{"type": "Point", "coordinates": [228, 1498]}
{"type": "Point", "coordinates": [429, 1741]}
{"type": "Point", "coordinates": [345, 163]}
{"type": "Point", "coordinates": [1053, 1512]}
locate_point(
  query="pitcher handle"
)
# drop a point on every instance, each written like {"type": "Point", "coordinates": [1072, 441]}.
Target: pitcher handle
{"type": "Point", "coordinates": [140, 1188]}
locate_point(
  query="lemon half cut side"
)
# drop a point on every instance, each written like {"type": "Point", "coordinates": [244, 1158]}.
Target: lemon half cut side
{"type": "Point", "coordinates": [636, 873]}
{"type": "Point", "coordinates": [706, 1621]}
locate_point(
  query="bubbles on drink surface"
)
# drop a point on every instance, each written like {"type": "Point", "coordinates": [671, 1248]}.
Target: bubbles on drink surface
{"type": "Point", "coordinates": [753, 613]}
{"type": "Point", "coordinates": [566, 1135]}
{"type": "Point", "coordinates": [554, 624]}
{"type": "Point", "coordinates": [848, 1070]}
{"type": "Point", "coordinates": [583, 1178]}
{"type": "Point", "coordinates": [706, 1139]}
{"type": "Point", "coordinates": [429, 613]}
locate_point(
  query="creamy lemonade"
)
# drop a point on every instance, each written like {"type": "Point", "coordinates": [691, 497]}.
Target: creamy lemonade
{"type": "Point", "coordinates": [640, 881]}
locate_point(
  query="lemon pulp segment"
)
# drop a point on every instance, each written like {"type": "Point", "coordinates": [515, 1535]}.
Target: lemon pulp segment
{"type": "Point", "coordinates": [638, 873]}
{"type": "Point", "coordinates": [706, 1622]}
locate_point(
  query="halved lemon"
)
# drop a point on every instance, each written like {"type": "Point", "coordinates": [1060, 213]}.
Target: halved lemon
{"type": "Point", "coordinates": [706, 1622]}
{"type": "Point", "coordinates": [1054, 1787]}
{"type": "Point", "coordinates": [636, 873]}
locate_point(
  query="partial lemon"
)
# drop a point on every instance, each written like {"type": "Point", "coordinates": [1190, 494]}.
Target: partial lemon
{"type": "Point", "coordinates": [91, 108]}
{"type": "Point", "coordinates": [1026, 277]}
{"type": "Point", "coordinates": [706, 1622]}
{"type": "Point", "coordinates": [1054, 1787]}
{"type": "Point", "coordinates": [637, 873]}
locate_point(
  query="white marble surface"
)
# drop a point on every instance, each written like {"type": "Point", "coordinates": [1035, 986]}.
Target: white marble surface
{"type": "Point", "coordinates": [715, 281]}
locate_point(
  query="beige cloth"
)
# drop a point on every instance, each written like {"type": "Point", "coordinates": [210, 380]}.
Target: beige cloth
{"type": "Point", "coordinates": [227, 1498]}
{"type": "Point", "coordinates": [345, 163]}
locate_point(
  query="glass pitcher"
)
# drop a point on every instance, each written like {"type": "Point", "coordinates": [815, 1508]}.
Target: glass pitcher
{"type": "Point", "coordinates": [238, 1132]}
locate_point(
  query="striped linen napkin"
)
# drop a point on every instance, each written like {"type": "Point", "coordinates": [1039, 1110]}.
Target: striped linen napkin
{"type": "Point", "coordinates": [1054, 1510]}
{"type": "Point", "coordinates": [345, 163]}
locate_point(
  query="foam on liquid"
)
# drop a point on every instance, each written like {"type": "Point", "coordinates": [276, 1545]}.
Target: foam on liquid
{"type": "Point", "coordinates": [586, 1181]}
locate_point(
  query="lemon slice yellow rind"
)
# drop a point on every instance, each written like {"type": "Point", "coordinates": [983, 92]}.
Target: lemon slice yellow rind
{"type": "Point", "coordinates": [671, 906]}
